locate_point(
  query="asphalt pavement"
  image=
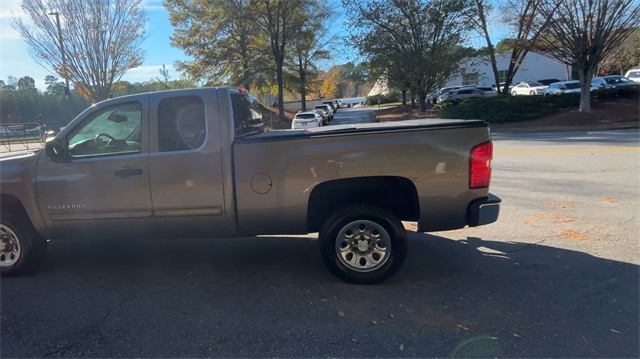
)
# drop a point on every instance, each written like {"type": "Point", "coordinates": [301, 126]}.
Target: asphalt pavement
{"type": "Point", "coordinates": [557, 276]}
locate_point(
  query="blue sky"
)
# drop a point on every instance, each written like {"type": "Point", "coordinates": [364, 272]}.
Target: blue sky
{"type": "Point", "coordinates": [15, 60]}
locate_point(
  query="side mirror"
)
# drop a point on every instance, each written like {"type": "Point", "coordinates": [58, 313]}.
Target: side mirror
{"type": "Point", "coordinates": [56, 150]}
{"type": "Point", "coordinates": [117, 118]}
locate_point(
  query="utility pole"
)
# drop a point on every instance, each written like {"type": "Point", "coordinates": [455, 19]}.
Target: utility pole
{"type": "Point", "coordinates": [67, 91]}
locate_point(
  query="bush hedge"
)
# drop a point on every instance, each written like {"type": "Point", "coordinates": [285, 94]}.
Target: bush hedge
{"type": "Point", "coordinates": [388, 98]}
{"type": "Point", "coordinates": [502, 109]}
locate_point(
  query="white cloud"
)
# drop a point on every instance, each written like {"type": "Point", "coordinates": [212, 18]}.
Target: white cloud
{"type": "Point", "coordinates": [148, 72]}
{"type": "Point", "coordinates": [8, 8]}
{"type": "Point", "coordinates": [153, 5]}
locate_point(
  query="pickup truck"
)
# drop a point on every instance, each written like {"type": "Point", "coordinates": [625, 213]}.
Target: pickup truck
{"type": "Point", "coordinates": [199, 163]}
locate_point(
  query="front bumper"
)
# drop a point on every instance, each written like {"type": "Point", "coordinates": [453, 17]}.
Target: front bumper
{"type": "Point", "coordinates": [483, 211]}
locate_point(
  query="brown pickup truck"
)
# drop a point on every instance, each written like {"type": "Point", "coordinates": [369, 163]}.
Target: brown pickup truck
{"type": "Point", "coordinates": [198, 163]}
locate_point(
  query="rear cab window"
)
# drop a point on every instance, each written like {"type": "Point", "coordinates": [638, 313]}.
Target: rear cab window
{"type": "Point", "coordinates": [182, 123]}
{"type": "Point", "coordinates": [247, 114]}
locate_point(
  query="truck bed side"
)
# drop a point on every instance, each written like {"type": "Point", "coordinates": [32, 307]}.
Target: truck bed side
{"type": "Point", "coordinates": [278, 177]}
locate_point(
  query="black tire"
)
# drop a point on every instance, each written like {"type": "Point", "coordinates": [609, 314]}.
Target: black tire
{"type": "Point", "coordinates": [33, 248]}
{"type": "Point", "coordinates": [397, 236]}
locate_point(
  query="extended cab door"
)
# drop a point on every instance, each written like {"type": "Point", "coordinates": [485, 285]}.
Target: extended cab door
{"type": "Point", "coordinates": [102, 187]}
{"type": "Point", "coordinates": [185, 164]}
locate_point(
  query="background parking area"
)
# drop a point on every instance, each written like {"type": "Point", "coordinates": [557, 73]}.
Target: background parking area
{"type": "Point", "coordinates": [557, 276]}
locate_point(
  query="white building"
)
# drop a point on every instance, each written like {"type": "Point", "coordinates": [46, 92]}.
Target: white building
{"type": "Point", "coordinates": [534, 67]}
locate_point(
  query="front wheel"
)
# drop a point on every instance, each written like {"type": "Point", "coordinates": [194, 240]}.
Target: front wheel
{"type": "Point", "coordinates": [363, 244]}
{"type": "Point", "coordinates": [532, 93]}
{"type": "Point", "coordinates": [21, 248]}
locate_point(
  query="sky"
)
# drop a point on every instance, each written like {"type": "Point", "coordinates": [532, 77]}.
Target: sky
{"type": "Point", "coordinates": [15, 59]}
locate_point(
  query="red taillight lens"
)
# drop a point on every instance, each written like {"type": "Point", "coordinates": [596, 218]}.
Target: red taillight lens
{"type": "Point", "coordinates": [480, 165]}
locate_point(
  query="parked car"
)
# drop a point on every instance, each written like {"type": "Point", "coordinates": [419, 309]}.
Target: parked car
{"type": "Point", "coordinates": [324, 115]}
{"type": "Point", "coordinates": [612, 81]}
{"type": "Point", "coordinates": [496, 88]}
{"type": "Point", "coordinates": [558, 88]}
{"type": "Point", "coordinates": [331, 104]}
{"type": "Point", "coordinates": [530, 88]}
{"type": "Point", "coordinates": [460, 94]}
{"type": "Point", "coordinates": [548, 82]}
{"type": "Point", "coordinates": [197, 163]}
{"type": "Point", "coordinates": [487, 91]}
{"type": "Point", "coordinates": [326, 108]}
{"type": "Point", "coordinates": [633, 75]}
{"type": "Point", "coordinates": [307, 119]}
{"type": "Point", "coordinates": [433, 98]}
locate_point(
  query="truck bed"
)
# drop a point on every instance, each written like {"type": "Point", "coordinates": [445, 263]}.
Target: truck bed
{"type": "Point", "coordinates": [331, 130]}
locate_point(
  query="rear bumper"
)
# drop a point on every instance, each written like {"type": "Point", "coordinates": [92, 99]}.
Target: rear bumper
{"type": "Point", "coordinates": [483, 211]}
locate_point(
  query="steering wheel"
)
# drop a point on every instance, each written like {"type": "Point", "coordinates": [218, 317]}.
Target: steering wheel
{"type": "Point", "coordinates": [111, 138]}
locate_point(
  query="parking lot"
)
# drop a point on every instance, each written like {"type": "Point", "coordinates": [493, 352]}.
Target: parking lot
{"type": "Point", "coordinates": [557, 276]}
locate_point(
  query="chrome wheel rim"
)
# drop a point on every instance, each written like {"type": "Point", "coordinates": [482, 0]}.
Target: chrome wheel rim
{"type": "Point", "coordinates": [10, 249]}
{"type": "Point", "coordinates": [363, 246]}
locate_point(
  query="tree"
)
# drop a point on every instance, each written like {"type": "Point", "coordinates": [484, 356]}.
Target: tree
{"type": "Point", "coordinates": [280, 20]}
{"type": "Point", "coordinates": [355, 76]}
{"type": "Point", "coordinates": [222, 39]}
{"type": "Point", "coordinates": [101, 40]}
{"type": "Point", "coordinates": [27, 84]}
{"type": "Point", "coordinates": [583, 32]}
{"type": "Point", "coordinates": [624, 57]}
{"type": "Point", "coordinates": [54, 87]}
{"type": "Point", "coordinates": [422, 36]}
{"type": "Point", "coordinates": [309, 46]}
{"type": "Point", "coordinates": [479, 19]}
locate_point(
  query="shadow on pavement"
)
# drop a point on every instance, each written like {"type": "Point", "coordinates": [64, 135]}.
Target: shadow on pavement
{"type": "Point", "coordinates": [272, 297]}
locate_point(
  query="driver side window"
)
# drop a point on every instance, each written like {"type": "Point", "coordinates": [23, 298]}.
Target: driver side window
{"type": "Point", "coordinates": [113, 130]}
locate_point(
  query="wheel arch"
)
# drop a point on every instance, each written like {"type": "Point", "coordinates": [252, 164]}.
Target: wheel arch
{"type": "Point", "coordinates": [394, 193]}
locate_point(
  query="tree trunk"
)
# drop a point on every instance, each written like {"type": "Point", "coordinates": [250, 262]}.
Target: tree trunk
{"type": "Point", "coordinates": [404, 97]}
{"type": "Point", "coordinates": [585, 76]}
{"type": "Point", "coordinates": [490, 47]}
{"type": "Point", "coordinates": [280, 89]}
{"type": "Point", "coordinates": [422, 94]}
{"type": "Point", "coordinates": [303, 93]}
{"type": "Point", "coordinates": [413, 98]}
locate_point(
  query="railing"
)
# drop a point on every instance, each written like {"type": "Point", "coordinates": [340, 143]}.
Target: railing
{"type": "Point", "coordinates": [25, 136]}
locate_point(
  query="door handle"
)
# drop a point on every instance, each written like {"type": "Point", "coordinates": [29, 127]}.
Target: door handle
{"type": "Point", "coordinates": [128, 172]}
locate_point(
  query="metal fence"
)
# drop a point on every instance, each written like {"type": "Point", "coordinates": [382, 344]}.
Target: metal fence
{"type": "Point", "coordinates": [26, 136]}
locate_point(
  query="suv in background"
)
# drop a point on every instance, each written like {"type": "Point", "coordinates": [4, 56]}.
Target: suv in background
{"type": "Point", "coordinates": [612, 81]}
{"type": "Point", "coordinates": [331, 104]}
{"type": "Point", "coordinates": [633, 75]}
{"type": "Point", "coordinates": [461, 94]}
{"type": "Point", "coordinates": [307, 119]}
{"type": "Point", "coordinates": [326, 108]}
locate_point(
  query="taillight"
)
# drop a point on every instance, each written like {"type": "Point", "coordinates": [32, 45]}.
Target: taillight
{"type": "Point", "coordinates": [480, 165]}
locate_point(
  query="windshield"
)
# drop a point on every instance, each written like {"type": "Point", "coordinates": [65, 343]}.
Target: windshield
{"type": "Point", "coordinates": [305, 116]}
{"type": "Point", "coordinates": [634, 74]}
{"type": "Point", "coordinates": [572, 85]}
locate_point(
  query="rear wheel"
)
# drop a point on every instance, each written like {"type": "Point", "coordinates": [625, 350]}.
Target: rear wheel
{"type": "Point", "coordinates": [21, 248]}
{"type": "Point", "coordinates": [363, 244]}
{"type": "Point", "coordinates": [513, 93]}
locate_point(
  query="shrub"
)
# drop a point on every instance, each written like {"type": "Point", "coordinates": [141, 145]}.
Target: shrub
{"type": "Point", "coordinates": [388, 98]}
{"type": "Point", "coordinates": [501, 109]}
